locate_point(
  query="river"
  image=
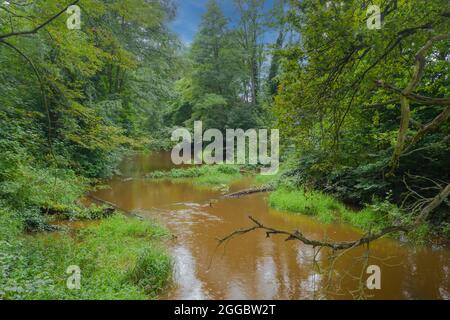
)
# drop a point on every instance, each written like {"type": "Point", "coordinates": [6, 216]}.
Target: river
{"type": "Point", "coordinates": [256, 267]}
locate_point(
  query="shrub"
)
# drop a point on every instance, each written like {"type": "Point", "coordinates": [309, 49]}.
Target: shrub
{"type": "Point", "coordinates": [34, 221]}
{"type": "Point", "coordinates": [93, 213]}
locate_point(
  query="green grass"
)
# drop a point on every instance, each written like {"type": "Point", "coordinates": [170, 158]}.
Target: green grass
{"type": "Point", "coordinates": [324, 207]}
{"type": "Point", "coordinates": [206, 175]}
{"type": "Point", "coordinates": [328, 209]}
{"type": "Point", "coordinates": [261, 180]}
{"type": "Point", "coordinates": [119, 257]}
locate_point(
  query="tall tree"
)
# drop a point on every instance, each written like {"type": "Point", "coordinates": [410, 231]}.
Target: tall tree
{"type": "Point", "coordinates": [211, 54]}
{"type": "Point", "coordinates": [250, 30]}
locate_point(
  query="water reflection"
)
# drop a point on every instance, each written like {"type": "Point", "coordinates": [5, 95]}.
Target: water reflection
{"type": "Point", "coordinates": [188, 285]}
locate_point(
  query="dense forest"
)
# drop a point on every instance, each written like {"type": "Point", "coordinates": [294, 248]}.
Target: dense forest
{"type": "Point", "coordinates": [363, 116]}
{"type": "Point", "coordinates": [334, 88]}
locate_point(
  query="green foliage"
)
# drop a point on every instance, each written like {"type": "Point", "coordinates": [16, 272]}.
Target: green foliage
{"type": "Point", "coordinates": [107, 253]}
{"type": "Point", "coordinates": [213, 55]}
{"type": "Point", "coordinates": [212, 110]}
{"type": "Point", "coordinates": [97, 87]}
{"type": "Point", "coordinates": [446, 229]}
{"type": "Point", "coordinates": [328, 82]}
{"type": "Point", "coordinates": [71, 103]}
{"type": "Point", "coordinates": [221, 86]}
{"type": "Point", "coordinates": [34, 221]}
{"type": "Point", "coordinates": [421, 235]}
{"type": "Point", "coordinates": [192, 172]}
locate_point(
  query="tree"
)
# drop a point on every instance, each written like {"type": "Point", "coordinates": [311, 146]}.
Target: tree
{"type": "Point", "coordinates": [100, 86]}
{"type": "Point", "coordinates": [212, 55]}
{"type": "Point", "coordinates": [249, 32]}
{"type": "Point", "coordinates": [339, 98]}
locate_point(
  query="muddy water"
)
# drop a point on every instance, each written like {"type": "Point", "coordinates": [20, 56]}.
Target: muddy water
{"type": "Point", "coordinates": [256, 267]}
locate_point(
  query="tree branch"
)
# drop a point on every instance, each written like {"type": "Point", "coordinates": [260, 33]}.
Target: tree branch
{"type": "Point", "coordinates": [407, 94]}
{"type": "Point", "coordinates": [413, 96]}
{"type": "Point", "coordinates": [36, 29]}
{"type": "Point", "coordinates": [247, 192]}
{"type": "Point", "coordinates": [297, 235]}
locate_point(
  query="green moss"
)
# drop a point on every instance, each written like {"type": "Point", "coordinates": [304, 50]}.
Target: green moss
{"type": "Point", "coordinates": [107, 253]}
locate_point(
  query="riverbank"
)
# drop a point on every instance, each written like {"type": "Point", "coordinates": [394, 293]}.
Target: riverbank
{"type": "Point", "coordinates": [119, 258]}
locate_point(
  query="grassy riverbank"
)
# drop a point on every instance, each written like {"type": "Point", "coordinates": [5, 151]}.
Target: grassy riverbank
{"type": "Point", "coordinates": [373, 217]}
{"type": "Point", "coordinates": [119, 258]}
{"type": "Point", "coordinates": [217, 176]}
{"type": "Point", "coordinates": [328, 209]}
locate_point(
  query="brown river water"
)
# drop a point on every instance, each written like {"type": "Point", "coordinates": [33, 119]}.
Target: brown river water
{"type": "Point", "coordinates": [255, 267]}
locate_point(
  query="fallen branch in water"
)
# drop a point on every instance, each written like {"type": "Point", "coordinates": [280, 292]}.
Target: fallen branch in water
{"type": "Point", "coordinates": [297, 235]}
{"type": "Point", "coordinates": [114, 206]}
{"type": "Point", "coordinates": [109, 204]}
{"type": "Point", "coordinates": [337, 246]}
{"type": "Point", "coordinates": [248, 192]}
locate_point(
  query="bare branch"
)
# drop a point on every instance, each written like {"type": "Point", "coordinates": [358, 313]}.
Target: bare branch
{"type": "Point", "coordinates": [414, 97]}
{"type": "Point", "coordinates": [437, 201]}
{"type": "Point", "coordinates": [407, 94]}
{"type": "Point", "coordinates": [297, 235]}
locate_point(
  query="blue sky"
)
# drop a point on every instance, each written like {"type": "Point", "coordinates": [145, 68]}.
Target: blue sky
{"type": "Point", "coordinates": [190, 12]}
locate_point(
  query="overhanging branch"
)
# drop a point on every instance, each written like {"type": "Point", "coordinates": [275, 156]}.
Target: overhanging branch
{"type": "Point", "coordinates": [39, 27]}
{"type": "Point", "coordinates": [407, 95]}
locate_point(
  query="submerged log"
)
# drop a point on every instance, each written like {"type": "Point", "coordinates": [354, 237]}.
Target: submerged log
{"type": "Point", "coordinates": [109, 204]}
{"type": "Point", "coordinates": [248, 192]}
{"type": "Point", "coordinates": [115, 207]}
